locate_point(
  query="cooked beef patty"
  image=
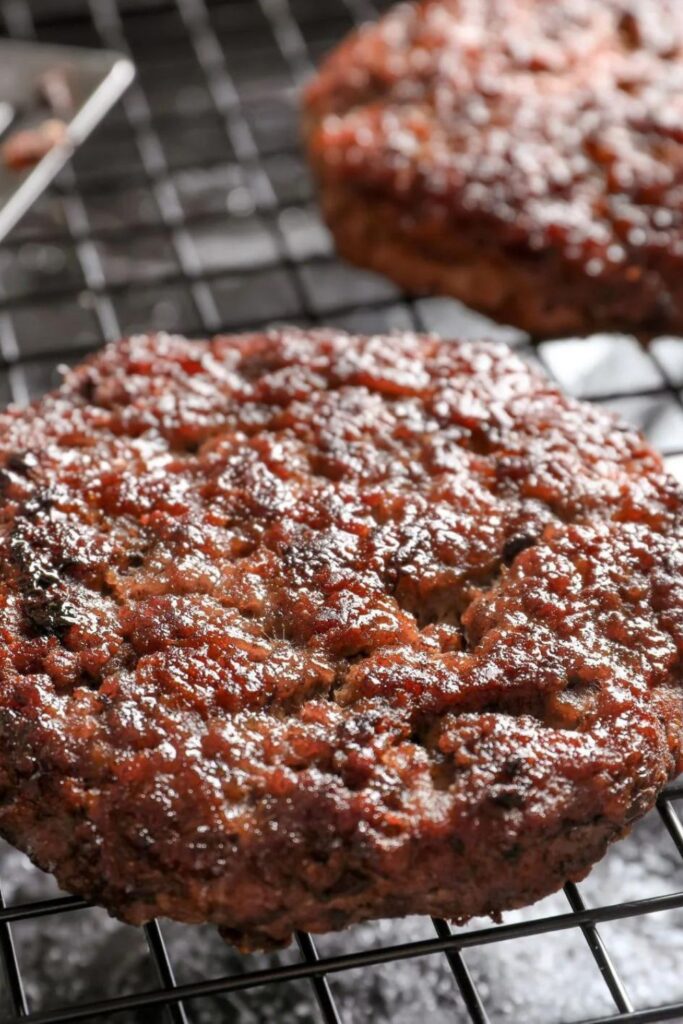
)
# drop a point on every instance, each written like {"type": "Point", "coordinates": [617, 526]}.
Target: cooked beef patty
{"type": "Point", "coordinates": [300, 628]}
{"type": "Point", "coordinates": [524, 156]}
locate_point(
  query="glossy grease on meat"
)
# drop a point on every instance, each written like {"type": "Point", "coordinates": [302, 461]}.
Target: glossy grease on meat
{"type": "Point", "coordinates": [523, 156]}
{"type": "Point", "coordinates": [300, 629]}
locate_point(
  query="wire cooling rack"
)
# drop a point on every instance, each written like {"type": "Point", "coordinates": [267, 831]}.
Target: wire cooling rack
{"type": "Point", "coordinates": [191, 209]}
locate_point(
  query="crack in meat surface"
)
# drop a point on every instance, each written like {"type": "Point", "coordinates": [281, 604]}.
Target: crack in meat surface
{"type": "Point", "coordinates": [300, 628]}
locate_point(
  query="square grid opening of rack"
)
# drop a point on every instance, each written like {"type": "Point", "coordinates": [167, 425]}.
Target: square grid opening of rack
{"type": "Point", "coordinates": [191, 210]}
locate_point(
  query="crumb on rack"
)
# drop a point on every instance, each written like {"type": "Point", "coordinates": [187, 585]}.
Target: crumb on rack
{"type": "Point", "coordinates": [27, 147]}
{"type": "Point", "coordinates": [55, 89]}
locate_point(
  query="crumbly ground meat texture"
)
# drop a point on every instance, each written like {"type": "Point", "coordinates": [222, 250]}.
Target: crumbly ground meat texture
{"type": "Point", "coordinates": [525, 157]}
{"type": "Point", "coordinates": [300, 629]}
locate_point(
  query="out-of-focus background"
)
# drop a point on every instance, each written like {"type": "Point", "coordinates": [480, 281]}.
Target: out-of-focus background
{"type": "Point", "coordinates": [191, 209]}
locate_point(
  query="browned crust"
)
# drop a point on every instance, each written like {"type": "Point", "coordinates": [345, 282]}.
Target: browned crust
{"type": "Point", "coordinates": [396, 147]}
{"type": "Point", "coordinates": [301, 628]}
{"type": "Point", "coordinates": [534, 291]}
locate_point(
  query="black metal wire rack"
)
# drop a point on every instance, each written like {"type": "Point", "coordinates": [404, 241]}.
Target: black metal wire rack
{"type": "Point", "coordinates": [191, 209]}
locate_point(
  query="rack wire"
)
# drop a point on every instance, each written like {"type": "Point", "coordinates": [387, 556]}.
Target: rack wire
{"type": "Point", "coordinates": [191, 209]}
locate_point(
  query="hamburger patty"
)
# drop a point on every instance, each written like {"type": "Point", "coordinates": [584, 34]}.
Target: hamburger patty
{"type": "Point", "coordinates": [524, 156]}
{"type": "Point", "coordinates": [301, 628]}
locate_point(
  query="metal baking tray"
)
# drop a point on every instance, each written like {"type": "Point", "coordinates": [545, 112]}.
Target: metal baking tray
{"type": "Point", "coordinates": [96, 79]}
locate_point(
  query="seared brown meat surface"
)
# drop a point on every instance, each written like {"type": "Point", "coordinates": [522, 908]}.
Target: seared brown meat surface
{"type": "Point", "coordinates": [525, 156]}
{"type": "Point", "coordinates": [299, 629]}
